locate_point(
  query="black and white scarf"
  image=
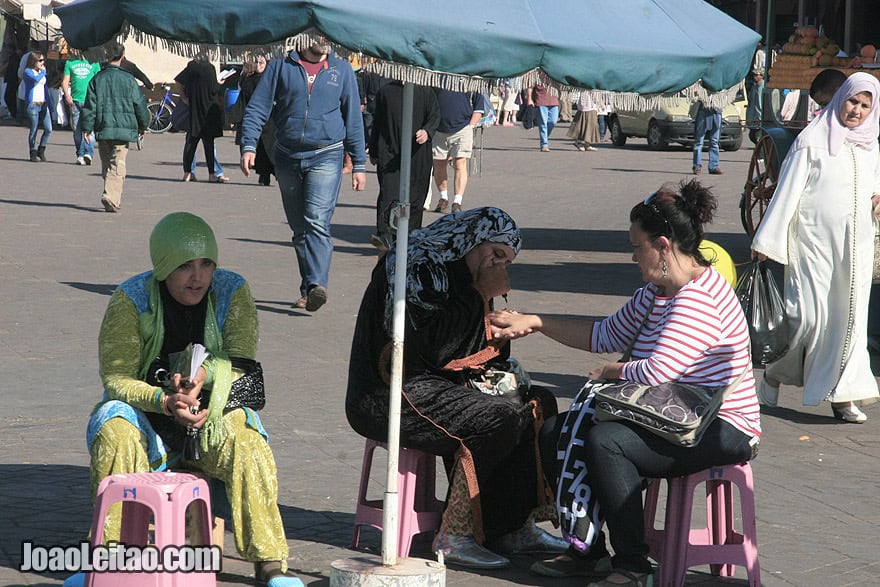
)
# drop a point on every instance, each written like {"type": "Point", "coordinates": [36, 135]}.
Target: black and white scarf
{"type": "Point", "coordinates": [448, 239]}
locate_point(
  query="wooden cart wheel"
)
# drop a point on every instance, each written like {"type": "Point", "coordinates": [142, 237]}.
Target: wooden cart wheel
{"type": "Point", "coordinates": [760, 184]}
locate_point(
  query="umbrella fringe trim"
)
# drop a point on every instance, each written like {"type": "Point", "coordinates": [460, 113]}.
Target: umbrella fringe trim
{"type": "Point", "coordinates": [626, 101]}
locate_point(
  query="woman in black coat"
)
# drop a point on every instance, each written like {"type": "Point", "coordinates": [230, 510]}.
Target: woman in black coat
{"type": "Point", "coordinates": [199, 88]}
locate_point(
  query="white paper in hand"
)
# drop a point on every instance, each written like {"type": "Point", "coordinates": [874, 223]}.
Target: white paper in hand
{"type": "Point", "coordinates": [199, 354]}
{"type": "Point", "coordinates": [188, 361]}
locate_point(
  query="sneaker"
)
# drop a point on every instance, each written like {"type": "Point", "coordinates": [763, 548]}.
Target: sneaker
{"type": "Point", "coordinates": [87, 159]}
{"type": "Point", "coordinates": [441, 205]}
{"type": "Point", "coordinates": [80, 160]}
{"type": "Point", "coordinates": [568, 565]}
{"type": "Point", "coordinates": [456, 208]}
{"type": "Point", "coordinates": [545, 149]}
{"type": "Point", "coordinates": [464, 551]}
{"type": "Point", "coordinates": [592, 148]}
{"type": "Point", "coordinates": [316, 298]}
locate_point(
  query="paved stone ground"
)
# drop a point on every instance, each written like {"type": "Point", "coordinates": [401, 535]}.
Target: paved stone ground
{"type": "Point", "coordinates": [61, 256]}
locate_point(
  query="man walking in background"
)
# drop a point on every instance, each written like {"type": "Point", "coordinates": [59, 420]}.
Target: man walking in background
{"type": "Point", "coordinates": [116, 111]}
{"type": "Point", "coordinates": [312, 97]}
{"type": "Point", "coordinates": [78, 73]}
{"type": "Point", "coordinates": [454, 143]}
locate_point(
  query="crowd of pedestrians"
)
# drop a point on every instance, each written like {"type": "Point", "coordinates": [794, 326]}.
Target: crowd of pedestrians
{"type": "Point", "coordinates": [300, 118]}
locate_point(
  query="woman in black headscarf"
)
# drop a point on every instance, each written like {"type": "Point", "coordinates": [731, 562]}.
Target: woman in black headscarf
{"type": "Point", "coordinates": [455, 267]}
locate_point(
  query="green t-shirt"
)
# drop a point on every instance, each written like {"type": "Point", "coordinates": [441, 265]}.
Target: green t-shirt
{"type": "Point", "coordinates": [80, 72]}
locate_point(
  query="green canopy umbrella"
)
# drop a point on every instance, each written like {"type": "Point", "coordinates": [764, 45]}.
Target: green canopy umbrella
{"type": "Point", "coordinates": [631, 47]}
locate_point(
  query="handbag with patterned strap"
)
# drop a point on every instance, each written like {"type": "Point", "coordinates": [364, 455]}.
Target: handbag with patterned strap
{"type": "Point", "coordinates": [677, 412]}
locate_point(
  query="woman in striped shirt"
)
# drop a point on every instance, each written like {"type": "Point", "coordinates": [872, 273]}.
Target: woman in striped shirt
{"type": "Point", "coordinates": [685, 325]}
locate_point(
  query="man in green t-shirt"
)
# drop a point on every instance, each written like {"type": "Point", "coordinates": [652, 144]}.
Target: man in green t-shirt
{"type": "Point", "coordinates": [78, 72]}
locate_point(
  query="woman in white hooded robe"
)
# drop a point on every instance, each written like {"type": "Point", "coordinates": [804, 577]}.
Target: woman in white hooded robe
{"type": "Point", "coordinates": [820, 226]}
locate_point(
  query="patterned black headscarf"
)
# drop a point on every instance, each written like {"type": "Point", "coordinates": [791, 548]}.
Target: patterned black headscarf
{"type": "Point", "coordinates": [448, 239]}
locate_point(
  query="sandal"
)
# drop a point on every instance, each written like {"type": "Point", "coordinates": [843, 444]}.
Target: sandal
{"type": "Point", "coordinates": [624, 578]}
{"type": "Point", "coordinates": [269, 573]}
{"type": "Point", "coordinates": [189, 177]}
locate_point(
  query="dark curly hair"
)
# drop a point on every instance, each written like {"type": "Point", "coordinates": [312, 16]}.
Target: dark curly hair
{"type": "Point", "coordinates": [678, 212]}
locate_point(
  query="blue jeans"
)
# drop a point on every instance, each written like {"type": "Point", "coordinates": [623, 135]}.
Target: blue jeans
{"type": "Point", "coordinates": [549, 118]}
{"type": "Point", "coordinates": [82, 147]}
{"type": "Point", "coordinates": [708, 123]}
{"type": "Point", "coordinates": [38, 115]}
{"type": "Point", "coordinates": [218, 169]}
{"type": "Point", "coordinates": [601, 126]}
{"type": "Point", "coordinates": [309, 186]}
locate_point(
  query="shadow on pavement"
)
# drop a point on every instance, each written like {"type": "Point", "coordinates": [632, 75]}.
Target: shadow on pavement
{"type": "Point", "coordinates": [105, 289]}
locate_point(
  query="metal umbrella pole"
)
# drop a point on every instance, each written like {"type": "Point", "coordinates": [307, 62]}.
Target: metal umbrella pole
{"type": "Point", "coordinates": [390, 506]}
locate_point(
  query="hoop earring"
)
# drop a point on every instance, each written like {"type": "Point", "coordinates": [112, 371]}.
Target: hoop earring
{"type": "Point", "coordinates": [664, 268]}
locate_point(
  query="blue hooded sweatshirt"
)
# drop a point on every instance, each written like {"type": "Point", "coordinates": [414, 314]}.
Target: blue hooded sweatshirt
{"type": "Point", "coordinates": [327, 117]}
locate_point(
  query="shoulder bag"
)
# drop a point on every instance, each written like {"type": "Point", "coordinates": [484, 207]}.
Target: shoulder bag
{"type": "Point", "coordinates": [677, 412]}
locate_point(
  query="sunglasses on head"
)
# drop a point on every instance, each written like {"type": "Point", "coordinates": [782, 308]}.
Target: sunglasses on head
{"type": "Point", "coordinates": [649, 203]}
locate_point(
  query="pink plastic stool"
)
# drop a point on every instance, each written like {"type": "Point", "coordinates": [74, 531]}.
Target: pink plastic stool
{"type": "Point", "coordinates": [677, 547]}
{"type": "Point", "coordinates": [166, 496]}
{"type": "Point", "coordinates": [419, 510]}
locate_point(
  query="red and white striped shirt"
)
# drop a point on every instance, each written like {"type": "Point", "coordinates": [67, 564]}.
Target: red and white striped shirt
{"type": "Point", "coordinates": [699, 336]}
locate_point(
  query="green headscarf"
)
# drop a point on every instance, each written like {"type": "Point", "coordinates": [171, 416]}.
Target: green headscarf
{"type": "Point", "coordinates": [179, 238]}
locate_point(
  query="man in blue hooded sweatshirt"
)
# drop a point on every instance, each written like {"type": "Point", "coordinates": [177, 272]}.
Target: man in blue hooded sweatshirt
{"type": "Point", "coordinates": [312, 97]}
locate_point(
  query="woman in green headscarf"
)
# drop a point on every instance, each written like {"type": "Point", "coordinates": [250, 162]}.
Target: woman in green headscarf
{"type": "Point", "coordinates": [186, 299]}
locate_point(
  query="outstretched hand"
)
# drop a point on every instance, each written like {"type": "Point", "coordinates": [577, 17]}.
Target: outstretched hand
{"type": "Point", "coordinates": [609, 371]}
{"type": "Point", "coordinates": [508, 324]}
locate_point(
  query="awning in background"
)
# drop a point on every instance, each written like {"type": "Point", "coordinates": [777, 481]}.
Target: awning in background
{"type": "Point", "coordinates": [637, 47]}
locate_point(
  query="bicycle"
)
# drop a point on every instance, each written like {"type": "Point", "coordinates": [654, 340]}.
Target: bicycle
{"type": "Point", "coordinates": [160, 112]}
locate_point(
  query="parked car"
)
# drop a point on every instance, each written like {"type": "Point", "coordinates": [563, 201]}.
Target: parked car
{"type": "Point", "coordinates": [672, 124]}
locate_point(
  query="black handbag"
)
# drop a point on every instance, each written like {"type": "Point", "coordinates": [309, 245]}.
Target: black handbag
{"type": "Point", "coordinates": [249, 390]}
{"type": "Point", "coordinates": [531, 116]}
{"type": "Point", "coordinates": [677, 412]}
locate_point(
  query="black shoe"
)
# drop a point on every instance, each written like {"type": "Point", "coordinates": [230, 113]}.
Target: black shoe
{"type": "Point", "coordinates": [34, 157]}
{"type": "Point", "coordinates": [569, 565]}
{"type": "Point", "coordinates": [316, 298]}
{"type": "Point", "coordinates": [41, 153]}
